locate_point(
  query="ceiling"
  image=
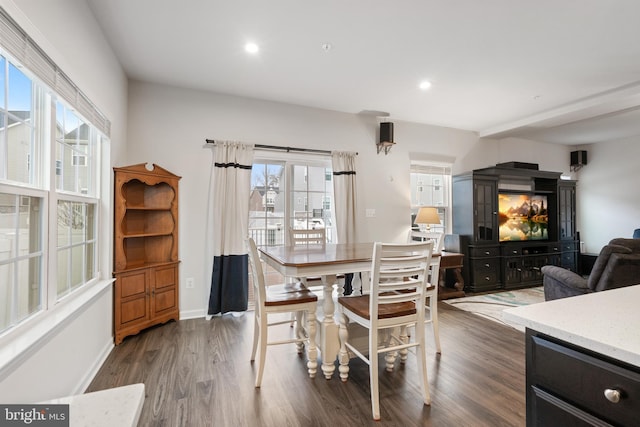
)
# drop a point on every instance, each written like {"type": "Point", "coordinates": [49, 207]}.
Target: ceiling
{"type": "Point", "coordinates": [565, 72]}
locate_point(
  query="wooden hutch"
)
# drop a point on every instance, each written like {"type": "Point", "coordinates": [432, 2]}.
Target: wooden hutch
{"type": "Point", "coordinates": [495, 263]}
{"type": "Point", "coordinates": [145, 248]}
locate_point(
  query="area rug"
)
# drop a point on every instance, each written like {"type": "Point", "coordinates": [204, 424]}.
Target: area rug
{"type": "Point", "coordinates": [490, 306]}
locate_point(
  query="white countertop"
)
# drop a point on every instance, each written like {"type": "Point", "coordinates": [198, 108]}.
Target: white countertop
{"type": "Point", "coordinates": [119, 406]}
{"type": "Point", "coordinates": [606, 322]}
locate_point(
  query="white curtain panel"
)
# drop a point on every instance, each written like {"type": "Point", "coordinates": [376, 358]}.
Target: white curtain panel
{"type": "Point", "coordinates": [344, 190]}
{"type": "Point", "coordinates": [229, 217]}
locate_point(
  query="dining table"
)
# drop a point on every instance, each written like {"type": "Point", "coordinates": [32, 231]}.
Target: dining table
{"type": "Point", "coordinates": [326, 261]}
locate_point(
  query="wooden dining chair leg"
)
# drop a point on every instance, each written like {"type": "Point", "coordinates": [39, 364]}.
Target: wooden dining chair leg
{"type": "Point", "coordinates": [433, 312]}
{"type": "Point", "coordinates": [373, 376]}
{"type": "Point", "coordinates": [262, 352]}
{"type": "Point", "coordinates": [256, 335]}
{"type": "Point", "coordinates": [421, 356]}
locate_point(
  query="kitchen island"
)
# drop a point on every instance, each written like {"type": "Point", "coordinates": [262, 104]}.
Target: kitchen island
{"type": "Point", "coordinates": [583, 358]}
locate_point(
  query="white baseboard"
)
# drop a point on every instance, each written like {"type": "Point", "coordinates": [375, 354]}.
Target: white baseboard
{"type": "Point", "coordinates": [192, 314]}
{"type": "Point", "coordinates": [91, 374]}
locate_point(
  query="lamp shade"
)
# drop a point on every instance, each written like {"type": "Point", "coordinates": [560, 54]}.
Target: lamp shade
{"type": "Point", "coordinates": [427, 215]}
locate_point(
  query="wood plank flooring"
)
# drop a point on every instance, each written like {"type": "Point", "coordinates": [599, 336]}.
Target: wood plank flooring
{"type": "Point", "coordinates": [197, 373]}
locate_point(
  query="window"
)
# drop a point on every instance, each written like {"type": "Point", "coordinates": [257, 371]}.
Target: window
{"type": "Point", "coordinates": [31, 202]}
{"type": "Point", "coordinates": [295, 193]}
{"type": "Point", "coordinates": [16, 124]}
{"type": "Point", "coordinates": [21, 257]}
{"type": "Point", "coordinates": [431, 186]}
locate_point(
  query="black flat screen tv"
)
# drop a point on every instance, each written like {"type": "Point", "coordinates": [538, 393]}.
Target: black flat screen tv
{"type": "Point", "coordinates": [522, 217]}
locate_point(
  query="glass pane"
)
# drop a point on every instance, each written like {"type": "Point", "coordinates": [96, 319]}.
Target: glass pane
{"type": "Point", "coordinates": [80, 160]}
{"type": "Point", "coordinates": [63, 271]}
{"type": "Point", "coordinates": [8, 218]}
{"type": "Point", "coordinates": [77, 222]}
{"type": "Point", "coordinates": [6, 295]}
{"type": "Point", "coordinates": [90, 226]}
{"type": "Point", "coordinates": [29, 225]}
{"type": "Point", "coordinates": [300, 209]}
{"type": "Point", "coordinates": [316, 210]}
{"type": "Point", "coordinates": [19, 144]}
{"type": "Point", "coordinates": [299, 178]}
{"type": "Point", "coordinates": [75, 153]}
{"type": "Point", "coordinates": [65, 172]}
{"type": "Point", "coordinates": [77, 266]}
{"type": "Point", "coordinates": [65, 214]}
{"type": "Point", "coordinates": [317, 178]}
{"type": "Point", "coordinates": [266, 204]}
{"type": "Point", "coordinates": [28, 290]}
{"type": "Point", "coordinates": [71, 126]}
{"type": "Point", "coordinates": [19, 95]}
{"type": "Point", "coordinates": [90, 263]}
{"type": "Point", "coordinates": [3, 76]}
{"type": "Point", "coordinates": [59, 122]}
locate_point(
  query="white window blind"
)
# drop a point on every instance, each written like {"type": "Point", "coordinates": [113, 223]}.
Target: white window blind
{"type": "Point", "coordinates": [19, 45]}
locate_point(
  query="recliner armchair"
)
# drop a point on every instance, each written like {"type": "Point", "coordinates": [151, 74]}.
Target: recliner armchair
{"type": "Point", "coordinates": [617, 265]}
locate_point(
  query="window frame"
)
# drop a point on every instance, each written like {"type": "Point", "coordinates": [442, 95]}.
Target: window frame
{"type": "Point", "coordinates": [288, 160]}
{"type": "Point", "coordinates": [42, 166]}
{"type": "Point", "coordinates": [443, 169]}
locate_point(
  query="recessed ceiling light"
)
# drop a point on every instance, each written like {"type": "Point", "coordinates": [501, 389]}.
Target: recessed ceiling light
{"type": "Point", "coordinates": [251, 48]}
{"type": "Point", "coordinates": [425, 85]}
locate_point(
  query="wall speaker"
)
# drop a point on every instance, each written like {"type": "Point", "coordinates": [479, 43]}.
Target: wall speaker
{"type": "Point", "coordinates": [578, 159]}
{"type": "Point", "coordinates": [386, 132]}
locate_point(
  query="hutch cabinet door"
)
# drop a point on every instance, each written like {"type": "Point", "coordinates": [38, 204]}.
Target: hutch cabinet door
{"type": "Point", "coordinates": [486, 212]}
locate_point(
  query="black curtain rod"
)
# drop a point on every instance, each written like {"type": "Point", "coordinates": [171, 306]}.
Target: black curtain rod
{"type": "Point", "coordinates": [279, 148]}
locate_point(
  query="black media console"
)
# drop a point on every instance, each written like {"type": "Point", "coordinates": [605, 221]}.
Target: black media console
{"type": "Point", "coordinates": [492, 263]}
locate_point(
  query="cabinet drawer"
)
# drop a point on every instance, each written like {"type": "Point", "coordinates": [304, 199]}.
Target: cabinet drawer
{"type": "Point", "coordinates": [549, 411]}
{"type": "Point", "coordinates": [569, 246]}
{"type": "Point", "coordinates": [581, 380]}
{"type": "Point", "coordinates": [511, 250]}
{"type": "Point", "coordinates": [484, 251]}
{"type": "Point", "coordinates": [484, 266]}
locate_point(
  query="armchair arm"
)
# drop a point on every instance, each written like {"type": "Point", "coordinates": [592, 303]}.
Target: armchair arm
{"type": "Point", "coordinates": [561, 283]}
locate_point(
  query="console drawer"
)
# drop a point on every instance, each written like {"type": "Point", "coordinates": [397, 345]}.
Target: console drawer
{"type": "Point", "coordinates": [484, 251]}
{"type": "Point", "coordinates": [580, 379]}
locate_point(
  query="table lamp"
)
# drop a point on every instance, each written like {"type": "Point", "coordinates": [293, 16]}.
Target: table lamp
{"type": "Point", "coordinates": [427, 216]}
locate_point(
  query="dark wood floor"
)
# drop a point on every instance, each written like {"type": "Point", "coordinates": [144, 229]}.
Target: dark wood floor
{"type": "Point", "coordinates": [197, 373]}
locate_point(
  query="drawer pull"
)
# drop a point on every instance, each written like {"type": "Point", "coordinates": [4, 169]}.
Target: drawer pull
{"type": "Point", "coordinates": [612, 395]}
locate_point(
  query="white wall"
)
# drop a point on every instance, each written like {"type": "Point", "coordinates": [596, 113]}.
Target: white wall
{"type": "Point", "coordinates": [168, 126]}
{"type": "Point", "coordinates": [66, 360]}
{"type": "Point", "coordinates": [608, 194]}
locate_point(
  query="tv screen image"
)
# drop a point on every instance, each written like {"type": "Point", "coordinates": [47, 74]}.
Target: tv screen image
{"type": "Point", "coordinates": [522, 217]}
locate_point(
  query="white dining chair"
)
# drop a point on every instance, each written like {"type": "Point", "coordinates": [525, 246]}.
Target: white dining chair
{"type": "Point", "coordinates": [286, 298]}
{"type": "Point", "coordinates": [431, 291]}
{"type": "Point", "coordinates": [398, 279]}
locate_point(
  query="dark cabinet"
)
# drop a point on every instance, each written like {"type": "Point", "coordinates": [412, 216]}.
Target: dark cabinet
{"type": "Point", "coordinates": [484, 274]}
{"type": "Point", "coordinates": [571, 386]}
{"type": "Point", "coordinates": [567, 210]}
{"type": "Point", "coordinates": [567, 233]}
{"type": "Point", "coordinates": [502, 261]}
